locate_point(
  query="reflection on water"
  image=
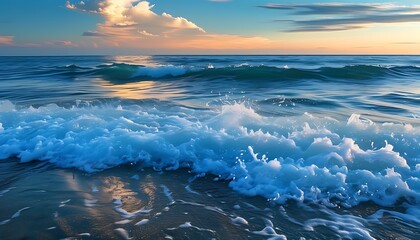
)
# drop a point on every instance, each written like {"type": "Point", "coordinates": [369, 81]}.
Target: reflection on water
{"type": "Point", "coordinates": [116, 188]}
{"type": "Point", "coordinates": [148, 187]}
{"type": "Point", "coordinates": [122, 203]}
{"type": "Point", "coordinates": [140, 89]}
{"type": "Point", "coordinates": [149, 61]}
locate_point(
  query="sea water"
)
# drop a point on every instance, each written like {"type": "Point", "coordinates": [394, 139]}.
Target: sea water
{"type": "Point", "coordinates": [295, 146]}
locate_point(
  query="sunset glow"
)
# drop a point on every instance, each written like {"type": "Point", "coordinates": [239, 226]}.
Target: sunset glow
{"type": "Point", "coordinates": [209, 27]}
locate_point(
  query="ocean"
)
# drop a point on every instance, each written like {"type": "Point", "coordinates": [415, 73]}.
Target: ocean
{"type": "Point", "coordinates": [210, 147]}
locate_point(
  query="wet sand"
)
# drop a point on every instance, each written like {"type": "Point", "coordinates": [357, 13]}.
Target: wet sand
{"type": "Point", "coordinates": [40, 201]}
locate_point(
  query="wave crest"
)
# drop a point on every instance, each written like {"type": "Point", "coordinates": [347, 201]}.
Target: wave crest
{"type": "Point", "coordinates": [302, 158]}
{"type": "Point", "coordinates": [129, 72]}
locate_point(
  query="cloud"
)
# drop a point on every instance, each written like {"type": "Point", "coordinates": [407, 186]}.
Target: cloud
{"type": "Point", "coordinates": [406, 43]}
{"type": "Point", "coordinates": [324, 8]}
{"type": "Point", "coordinates": [134, 24]}
{"type": "Point", "coordinates": [125, 17]}
{"type": "Point", "coordinates": [92, 6]}
{"type": "Point", "coordinates": [345, 16]}
{"type": "Point", "coordinates": [95, 34]}
{"type": "Point", "coordinates": [324, 28]}
{"type": "Point", "coordinates": [59, 44]}
{"type": "Point", "coordinates": [6, 40]}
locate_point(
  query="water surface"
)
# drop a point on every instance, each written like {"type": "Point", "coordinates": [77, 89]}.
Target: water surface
{"type": "Point", "coordinates": [335, 138]}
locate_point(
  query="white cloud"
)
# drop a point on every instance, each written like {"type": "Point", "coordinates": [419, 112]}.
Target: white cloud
{"type": "Point", "coordinates": [135, 16]}
{"type": "Point", "coordinates": [134, 24]}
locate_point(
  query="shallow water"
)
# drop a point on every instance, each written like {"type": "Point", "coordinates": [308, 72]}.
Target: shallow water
{"type": "Point", "coordinates": [130, 202]}
{"type": "Point", "coordinates": [328, 144]}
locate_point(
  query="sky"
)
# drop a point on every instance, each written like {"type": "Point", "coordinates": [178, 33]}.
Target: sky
{"type": "Point", "coordinates": [135, 27]}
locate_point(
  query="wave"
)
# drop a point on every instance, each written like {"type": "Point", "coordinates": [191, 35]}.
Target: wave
{"type": "Point", "coordinates": [128, 72]}
{"type": "Point", "coordinates": [300, 158]}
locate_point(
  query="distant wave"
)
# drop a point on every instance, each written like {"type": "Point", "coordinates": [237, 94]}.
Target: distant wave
{"type": "Point", "coordinates": [128, 72]}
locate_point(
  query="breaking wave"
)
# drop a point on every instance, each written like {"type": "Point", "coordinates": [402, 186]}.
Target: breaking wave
{"type": "Point", "coordinates": [300, 158]}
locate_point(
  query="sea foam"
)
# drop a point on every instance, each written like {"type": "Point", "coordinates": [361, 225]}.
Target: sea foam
{"type": "Point", "coordinates": [301, 158]}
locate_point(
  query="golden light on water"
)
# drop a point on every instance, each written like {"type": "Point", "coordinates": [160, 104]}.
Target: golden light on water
{"type": "Point", "coordinates": [140, 90]}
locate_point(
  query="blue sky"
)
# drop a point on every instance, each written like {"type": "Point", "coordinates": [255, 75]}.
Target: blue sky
{"type": "Point", "coordinates": [55, 27]}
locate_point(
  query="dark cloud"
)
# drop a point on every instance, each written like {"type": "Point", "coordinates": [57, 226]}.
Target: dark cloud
{"type": "Point", "coordinates": [344, 16]}
{"type": "Point", "coordinates": [324, 9]}
{"type": "Point", "coordinates": [398, 18]}
{"type": "Point", "coordinates": [95, 34]}
{"type": "Point", "coordinates": [323, 28]}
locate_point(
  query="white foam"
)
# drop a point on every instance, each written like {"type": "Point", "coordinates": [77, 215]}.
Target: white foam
{"type": "Point", "coordinates": [6, 106]}
{"type": "Point", "coordinates": [65, 201]}
{"type": "Point", "coordinates": [346, 226]}
{"type": "Point", "coordinates": [269, 231]}
{"type": "Point", "coordinates": [126, 214]}
{"type": "Point", "coordinates": [84, 234]}
{"type": "Point", "coordinates": [188, 188]}
{"type": "Point", "coordinates": [239, 220]}
{"type": "Point", "coordinates": [185, 225]}
{"type": "Point", "coordinates": [189, 225]}
{"type": "Point", "coordinates": [215, 209]}
{"type": "Point", "coordinates": [17, 214]}
{"type": "Point", "coordinates": [142, 222]}
{"type": "Point", "coordinates": [5, 221]}
{"type": "Point", "coordinates": [122, 222]}
{"type": "Point", "coordinates": [123, 233]}
{"type": "Point", "coordinates": [412, 215]}
{"type": "Point", "coordinates": [167, 193]}
{"type": "Point", "coordinates": [301, 158]}
{"type": "Point", "coordinates": [90, 202]}
{"type": "Point", "coordinates": [2, 192]}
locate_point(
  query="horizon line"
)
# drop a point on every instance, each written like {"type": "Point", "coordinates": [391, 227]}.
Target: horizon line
{"type": "Point", "coordinates": [291, 54]}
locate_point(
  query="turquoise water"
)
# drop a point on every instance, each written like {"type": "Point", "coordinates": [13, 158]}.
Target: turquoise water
{"type": "Point", "coordinates": [334, 131]}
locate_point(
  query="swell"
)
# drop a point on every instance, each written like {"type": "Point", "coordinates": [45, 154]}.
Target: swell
{"type": "Point", "coordinates": [121, 72]}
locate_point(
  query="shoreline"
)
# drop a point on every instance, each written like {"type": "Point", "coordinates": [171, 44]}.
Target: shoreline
{"type": "Point", "coordinates": [127, 202]}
